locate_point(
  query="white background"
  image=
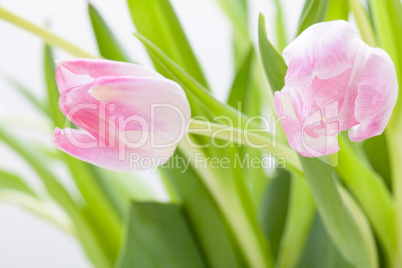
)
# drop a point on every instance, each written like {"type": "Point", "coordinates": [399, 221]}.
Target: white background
{"type": "Point", "coordinates": [26, 240]}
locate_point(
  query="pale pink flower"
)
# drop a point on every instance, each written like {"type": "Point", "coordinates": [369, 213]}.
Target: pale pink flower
{"type": "Point", "coordinates": [129, 117]}
{"type": "Point", "coordinates": [334, 82]}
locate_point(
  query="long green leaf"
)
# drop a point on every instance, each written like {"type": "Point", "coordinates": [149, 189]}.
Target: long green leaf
{"type": "Point", "coordinates": [230, 196]}
{"type": "Point", "coordinates": [364, 183]}
{"type": "Point", "coordinates": [280, 27]}
{"type": "Point", "coordinates": [337, 219]}
{"type": "Point", "coordinates": [193, 88]}
{"type": "Point", "coordinates": [273, 63]}
{"type": "Point", "coordinates": [388, 27]}
{"type": "Point", "coordinates": [11, 181]}
{"type": "Point", "coordinates": [245, 93]}
{"type": "Point", "coordinates": [159, 236]}
{"type": "Point", "coordinates": [376, 149]}
{"type": "Point", "coordinates": [205, 217]}
{"type": "Point", "coordinates": [108, 45]}
{"type": "Point", "coordinates": [157, 21]}
{"type": "Point", "coordinates": [314, 11]}
{"type": "Point", "coordinates": [299, 220]}
{"type": "Point", "coordinates": [363, 21]}
{"type": "Point", "coordinates": [320, 251]}
{"type": "Point", "coordinates": [338, 10]}
{"type": "Point", "coordinates": [274, 209]}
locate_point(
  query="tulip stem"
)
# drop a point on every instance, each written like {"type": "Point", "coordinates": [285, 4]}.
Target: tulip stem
{"type": "Point", "coordinates": [47, 36]}
{"type": "Point", "coordinates": [258, 139]}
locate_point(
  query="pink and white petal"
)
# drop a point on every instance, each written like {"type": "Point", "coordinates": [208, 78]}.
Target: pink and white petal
{"type": "Point", "coordinates": [321, 50]}
{"type": "Point", "coordinates": [76, 72]}
{"type": "Point", "coordinates": [67, 80]}
{"type": "Point", "coordinates": [156, 105]}
{"type": "Point", "coordinates": [376, 97]}
{"type": "Point", "coordinates": [297, 129]}
{"type": "Point", "coordinates": [289, 120]}
{"type": "Point", "coordinates": [86, 112]}
{"type": "Point", "coordinates": [325, 143]}
{"type": "Point", "coordinates": [348, 96]}
{"type": "Point", "coordinates": [83, 146]}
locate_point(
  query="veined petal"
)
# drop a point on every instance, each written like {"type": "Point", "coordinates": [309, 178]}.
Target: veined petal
{"type": "Point", "coordinates": [157, 105]}
{"type": "Point", "coordinates": [83, 146]}
{"type": "Point", "coordinates": [377, 94]}
{"type": "Point", "coordinates": [321, 51]}
{"type": "Point", "coordinates": [73, 73]}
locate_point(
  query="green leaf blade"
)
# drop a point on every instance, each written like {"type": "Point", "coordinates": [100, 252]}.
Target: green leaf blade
{"type": "Point", "coordinates": [108, 45]}
{"type": "Point", "coordinates": [159, 237]}
{"type": "Point", "coordinates": [338, 220]}
{"type": "Point", "coordinates": [273, 63]}
{"type": "Point", "coordinates": [157, 21]}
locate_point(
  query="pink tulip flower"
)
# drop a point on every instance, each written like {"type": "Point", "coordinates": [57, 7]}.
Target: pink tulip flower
{"type": "Point", "coordinates": [130, 118]}
{"type": "Point", "coordinates": [334, 82]}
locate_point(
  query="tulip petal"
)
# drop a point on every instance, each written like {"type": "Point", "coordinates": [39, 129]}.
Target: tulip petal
{"type": "Point", "coordinates": [377, 95]}
{"type": "Point", "coordinates": [77, 72]}
{"type": "Point", "coordinates": [320, 51]}
{"type": "Point", "coordinates": [158, 105]}
{"type": "Point", "coordinates": [296, 125]}
{"type": "Point", "coordinates": [86, 112]}
{"type": "Point", "coordinates": [83, 146]}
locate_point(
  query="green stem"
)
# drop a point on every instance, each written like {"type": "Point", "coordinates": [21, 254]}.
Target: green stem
{"type": "Point", "coordinates": [49, 37]}
{"type": "Point", "coordinates": [261, 140]}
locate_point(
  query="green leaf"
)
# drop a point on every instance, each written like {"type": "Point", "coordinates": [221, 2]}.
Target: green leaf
{"type": "Point", "coordinates": [53, 94]}
{"type": "Point", "coordinates": [241, 83]}
{"type": "Point", "coordinates": [157, 21]}
{"type": "Point", "coordinates": [320, 251]}
{"type": "Point", "coordinates": [231, 195]}
{"type": "Point", "coordinates": [273, 63]}
{"type": "Point", "coordinates": [109, 47]}
{"type": "Point", "coordinates": [338, 221]}
{"type": "Point", "coordinates": [159, 236]}
{"type": "Point", "coordinates": [49, 179]}
{"type": "Point", "coordinates": [338, 10]}
{"type": "Point", "coordinates": [245, 92]}
{"type": "Point", "coordinates": [280, 27]}
{"type": "Point", "coordinates": [300, 216]}
{"type": "Point", "coordinates": [314, 11]}
{"type": "Point", "coordinates": [11, 181]}
{"type": "Point", "coordinates": [275, 208]}
{"type": "Point", "coordinates": [364, 183]}
{"type": "Point", "coordinates": [363, 21]}
{"type": "Point", "coordinates": [192, 87]}
{"type": "Point", "coordinates": [206, 220]}
{"type": "Point", "coordinates": [376, 149]}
